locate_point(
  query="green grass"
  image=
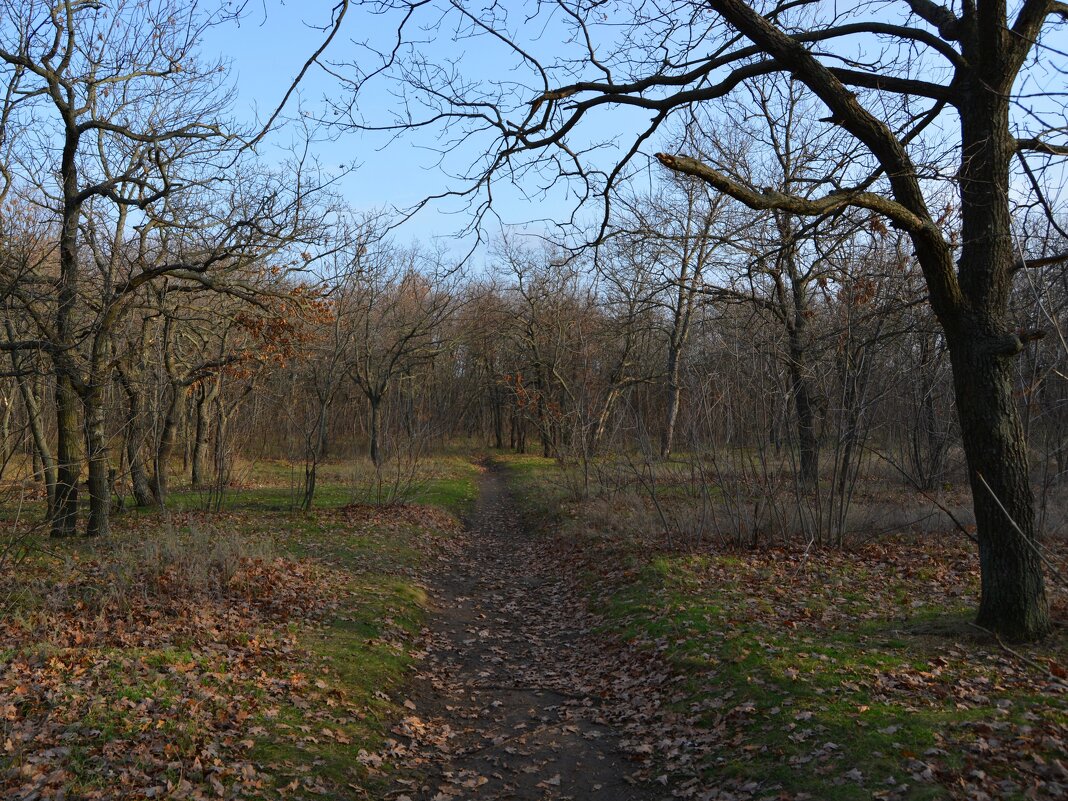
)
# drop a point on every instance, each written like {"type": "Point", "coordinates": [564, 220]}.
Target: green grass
{"type": "Point", "coordinates": [361, 662]}
{"type": "Point", "coordinates": [276, 486]}
{"type": "Point", "coordinates": [787, 692]}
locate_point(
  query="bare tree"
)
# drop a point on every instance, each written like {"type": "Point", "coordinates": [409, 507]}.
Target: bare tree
{"type": "Point", "coordinates": [393, 304]}
{"type": "Point", "coordinates": [129, 151]}
{"type": "Point", "coordinates": [961, 68]}
{"type": "Point", "coordinates": [675, 232]}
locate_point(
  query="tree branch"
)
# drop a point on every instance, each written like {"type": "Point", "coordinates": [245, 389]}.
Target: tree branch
{"type": "Point", "coordinates": [769, 199]}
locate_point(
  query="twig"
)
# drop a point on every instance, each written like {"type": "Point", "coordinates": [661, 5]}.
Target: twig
{"type": "Point", "coordinates": [1025, 659]}
{"type": "Point", "coordinates": [1034, 546]}
{"type": "Point", "coordinates": [915, 486]}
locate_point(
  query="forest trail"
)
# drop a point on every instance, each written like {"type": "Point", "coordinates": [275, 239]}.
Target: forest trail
{"type": "Point", "coordinates": [502, 707]}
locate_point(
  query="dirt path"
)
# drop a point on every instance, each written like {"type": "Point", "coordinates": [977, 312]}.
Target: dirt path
{"type": "Point", "coordinates": [502, 707]}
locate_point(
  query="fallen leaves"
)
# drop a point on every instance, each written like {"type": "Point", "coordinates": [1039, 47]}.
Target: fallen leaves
{"type": "Point", "coordinates": [171, 689]}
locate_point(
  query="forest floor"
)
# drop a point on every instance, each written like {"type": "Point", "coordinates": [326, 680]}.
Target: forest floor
{"type": "Point", "coordinates": [252, 652]}
{"type": "Point", "coordinates": [814, 673]}
{"type": "Point", "coordinates": [548, 649]}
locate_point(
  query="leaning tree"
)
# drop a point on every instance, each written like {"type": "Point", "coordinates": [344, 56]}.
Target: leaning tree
{"type": "Point", "coordinates": [950, 105]}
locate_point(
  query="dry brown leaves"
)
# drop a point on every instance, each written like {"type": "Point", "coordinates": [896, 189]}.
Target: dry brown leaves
{"type": "Point", "coordinates": [154, 694]}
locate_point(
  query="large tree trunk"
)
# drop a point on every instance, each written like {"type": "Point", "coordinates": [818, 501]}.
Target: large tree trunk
{"type": "Point", "coordinates": [1013, 601]}
{"type": "Point", "coordinates": [68, 457]}
{"type": "Point", "coordinates": [981, 348]}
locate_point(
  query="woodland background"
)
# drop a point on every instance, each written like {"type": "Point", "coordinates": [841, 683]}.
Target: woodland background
{"type": "Point", "coordinates": [728, 398]}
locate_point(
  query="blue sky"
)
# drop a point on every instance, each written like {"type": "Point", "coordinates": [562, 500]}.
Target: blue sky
{"type": "Point", "coordinates": [275, 39]}
{"type": "Point", "coordinates": [269, 48]}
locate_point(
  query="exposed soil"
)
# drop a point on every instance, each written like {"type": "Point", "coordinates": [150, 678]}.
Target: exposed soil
{"type": "Point", "coordinates": [504, 704]}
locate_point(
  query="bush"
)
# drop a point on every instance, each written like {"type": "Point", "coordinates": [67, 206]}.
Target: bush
{"type": "Point", "coordinates": [197, 562]}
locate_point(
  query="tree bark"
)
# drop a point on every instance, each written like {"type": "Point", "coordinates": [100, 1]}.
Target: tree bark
{"type": "Point", "coordinates": [222, 462]}
{"type": "Point", "coordinates": [1013, 599]}
{"type": "Point", "coordinates": [375, 430]}
{"type": "Point", "coordinates": [674, 398]}
{"type": "Point", "coordinates": [804, 409]}
{"type": "Point", "coordinates": [41, 449]}
{"type": "Point", "coordinates": [165, 446]}
{"type": "Point", "coordinates": [135, 437]}
{"type": "Point", "coordinates": [202, 431]}
{"type": "Point", "coordinates": [498, 419]}
{"type": "Point", "coordinates": [614, 394]}
{"type": "Point", "coordinates": [68, 457]}
{"type": "Point", "coordinates": [97, 449]}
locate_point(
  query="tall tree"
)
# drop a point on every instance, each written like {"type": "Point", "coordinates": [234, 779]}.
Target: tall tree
{"type": "Point", "coordinates": [393, 303]}
{"type": "Point", "coordinates": [130, 140]}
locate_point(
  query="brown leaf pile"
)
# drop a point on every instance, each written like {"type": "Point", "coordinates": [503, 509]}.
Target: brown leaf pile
{"type": "Point", "coordinates": [154, 694]}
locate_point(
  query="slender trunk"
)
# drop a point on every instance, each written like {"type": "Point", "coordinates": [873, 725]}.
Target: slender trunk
{"type": "Point", "coordinates": [311, 463]}
{"type": "Point", "coordinates": [324, 438]}
{"type": "Point", "coordinates": [202, 430]}
{"type": "Point", "coordinates": [69, 432]}
{"type": "Point", "coordinates": [498, 419]}
{"type": "Point", "coordinates": [310, 470]}
{"type": "Point", "coordinates": [222, 462]}
{"type": "Point", "coordinates": [39, 473]}
{"type": "Point", "coordinates": [375, 430]}
{"type": "Point", "coordinates": [139, 480]}
{"type": "Point", "coordinates": [165, 447]}
{"type": "Point", "coordinates": [5, 434]}
{"type": "Point", "coordinates": [518, 432]}
{"type": "Point", "coordinates": [135, 438]}
{"type": "Point", "coordinates": [602, 419]}
{"type": "Point", "coordinates": [41, 449]}
{"type": "Point", "coordinates": [804, 409]}
{"type": "Point", "coordinates": [674, 396]}
{"type": "Point", "coordinates": [68, 457]}
{"type": "Point", "coordinates": [97, 449]}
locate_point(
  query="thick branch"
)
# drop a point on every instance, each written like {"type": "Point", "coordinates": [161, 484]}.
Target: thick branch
{"type": "Point", "coordinates": [769, 199]}
{"type": "Point", "coordinates": [1036, 145]}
